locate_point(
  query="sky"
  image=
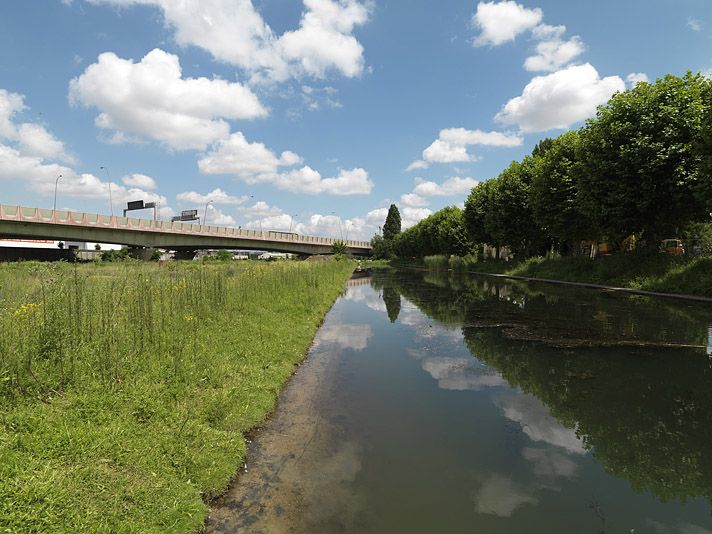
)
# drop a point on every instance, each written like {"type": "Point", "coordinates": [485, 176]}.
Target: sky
{"type": "Point", "coordinates": [310, 115]}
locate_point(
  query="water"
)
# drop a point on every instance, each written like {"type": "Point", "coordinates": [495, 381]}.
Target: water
{"type": "Point", "coordinates": [443, 404]}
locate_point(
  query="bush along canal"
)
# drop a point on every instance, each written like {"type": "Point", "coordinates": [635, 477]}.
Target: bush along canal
{"type": "Point", "coordinates": [126, 390]}
{"type": "Point", "coordinates": [434, 402]}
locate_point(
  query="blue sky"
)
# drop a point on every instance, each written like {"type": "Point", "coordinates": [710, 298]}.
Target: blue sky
{"type": "Point", "coordinates": [314, 114]}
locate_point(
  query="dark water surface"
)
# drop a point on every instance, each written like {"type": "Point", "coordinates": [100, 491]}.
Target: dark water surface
{"type": "Point", "coordinates": [433, 403]}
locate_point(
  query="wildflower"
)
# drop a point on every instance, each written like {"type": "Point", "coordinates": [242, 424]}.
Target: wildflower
{"type": "Point", "coordinates": [25, 309]}
{"type": "Point", "coordinates": [188, 318]}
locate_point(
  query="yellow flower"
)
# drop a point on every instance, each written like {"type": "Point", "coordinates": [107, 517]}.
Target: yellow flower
{"type": "Point", "coordinates": [188, 318]}
{"type": "Point", "coordinates": [25, 309]}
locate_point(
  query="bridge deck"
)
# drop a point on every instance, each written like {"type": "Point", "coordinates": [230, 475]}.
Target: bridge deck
{"type": "Point", "coordinates": [19, 221]}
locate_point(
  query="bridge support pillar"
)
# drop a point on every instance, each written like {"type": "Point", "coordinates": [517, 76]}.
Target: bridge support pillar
{"type": "Point", "coordinates": [185, 254]}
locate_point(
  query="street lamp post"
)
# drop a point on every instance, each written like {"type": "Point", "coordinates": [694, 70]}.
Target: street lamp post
{"type": "Point", "coordinates": [205, 215]}
{"type": "Point", "coordinates": [291, 221]}
{"type": "Point", "coordinates": [341, 230]}
{"type": "Point", "coordinates": [108, 178]}
{"type": "Point", "coordinates": [54, 206]}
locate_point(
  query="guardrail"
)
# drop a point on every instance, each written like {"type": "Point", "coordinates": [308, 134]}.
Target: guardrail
{"type": "Point", "coordinates": [94, 220]}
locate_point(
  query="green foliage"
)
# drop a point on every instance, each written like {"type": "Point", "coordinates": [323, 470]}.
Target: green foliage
{"type": "Point", "coordinates": [381, 249]}
{"type": "Point", "coordinates": [392, 225]}
{"type": "Point", "coordinates": [553, 191]}
{"type": "Point", "coordinates": [443, 232]}
{"type": "Point", "coordinates": [223, 255]}
{"type": "Point", "coordinates": [639, 164]}
{"type": "Point", "coordinates": [126, 389]}
{"type": "Point", "coordinates": [338, 248]}
{"type": "Point", "coordinates": [115, 255]}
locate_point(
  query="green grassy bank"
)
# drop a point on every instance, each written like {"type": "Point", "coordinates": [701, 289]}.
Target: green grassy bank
{"type": "Point", "coordinates": [126, 390]}
{"type": "Point", "coordinates": [690, 275]}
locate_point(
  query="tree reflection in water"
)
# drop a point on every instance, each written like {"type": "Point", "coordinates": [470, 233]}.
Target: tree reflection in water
{"type": "Point", "coordinates": [630, 375]}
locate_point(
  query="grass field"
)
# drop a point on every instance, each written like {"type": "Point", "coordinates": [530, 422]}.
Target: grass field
{"type": "Point", "coordinates": [126, 390]}
{"type": "Point", "coordinates": [690, 275]}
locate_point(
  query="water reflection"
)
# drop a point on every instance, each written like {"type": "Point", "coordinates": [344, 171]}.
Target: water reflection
{"type": "Point", "coordinates": [437, 403]}
{"type": "Point", "coordinates": [625, 377]}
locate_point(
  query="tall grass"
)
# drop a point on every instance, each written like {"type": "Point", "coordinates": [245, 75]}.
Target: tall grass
{"type": "Point", "coordinates": [126, 390]}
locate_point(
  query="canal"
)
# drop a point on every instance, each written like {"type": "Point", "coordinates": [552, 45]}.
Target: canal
{"type": "Point", "coordinates": [441, 403]}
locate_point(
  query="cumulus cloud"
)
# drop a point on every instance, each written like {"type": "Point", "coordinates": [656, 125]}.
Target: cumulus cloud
{"type": "Point", "coordinates": [413, 200]}
{"type": "Point", "coordinates": [450, 187]}
{"type": "Point", "coordinates": [235, 155]}
{"type": "Point", "coordinates": [216, 196]}
{"type": "Point", "coordinates": [216, 217]}
{"type": "Point", "coordinates": [139, 180]}
{"type": "Point", "coordinates": [452, 144]}
{"type": "Point", "coordinates": [255, 163]}
{"type": "Point", "coordinates": [634, 78]}
{"type": "Point", "coordinates": [501, 22]}
{"type": "Point", "coordinates": [560, 99]}
{"type": "Point", "coordinates": [260, 210]}
{"type": "Point", "coordinates": [30, 139]}
{"type": "Point", "coordinates": [234, 32]}
{"type": "Point", "coordinates": [28, 152]}
{"type": "Point", "coordinates": [151, 100]}
{"type": "Point", "coordinates": [554, 53]}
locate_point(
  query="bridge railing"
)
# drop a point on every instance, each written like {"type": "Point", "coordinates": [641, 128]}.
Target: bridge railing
{"type": "Point", "coordinates": [73, 218]}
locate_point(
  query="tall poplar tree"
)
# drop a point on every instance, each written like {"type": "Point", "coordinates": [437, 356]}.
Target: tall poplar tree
{"type": "Point", "coordinates": [392, 226]}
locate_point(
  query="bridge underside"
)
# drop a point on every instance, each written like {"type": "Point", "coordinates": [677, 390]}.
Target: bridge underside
{"type": "Point", "coordinates": [169, 241]}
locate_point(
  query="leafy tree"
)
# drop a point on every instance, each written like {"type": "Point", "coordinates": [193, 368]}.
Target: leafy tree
{"type": "Point", "coordinates": [542, 147]}
{"type": "Point", "coordinates": [553, 192]}
{"type": "Point", "coordinates": [443, 232]}
{"type": "Point", "coordinates": [477, 206]}
{"type": "Point", "coordinates": [338, 248]}
{"type": "Point", "coordinates": [508, 218]}
{"type": "Point", "coordinates": [392, 226]}
{"type": "Point", "coordinates": [639, 160]}
{"type": "Point", "coordinates": [381, 249]}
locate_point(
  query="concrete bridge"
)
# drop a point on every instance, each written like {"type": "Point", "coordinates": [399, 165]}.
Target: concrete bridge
{"type": "Point", "coordinates": [185, 238]}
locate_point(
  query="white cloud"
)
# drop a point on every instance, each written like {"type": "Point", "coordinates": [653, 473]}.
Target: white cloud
{"type": "Point", "coordinates": [501, 22]}
{"type": "Point", "coordinates": [151, 100]}
{"type": "Point", "coordinates": [255, 163]}
{"type": "Point", "coordinates": [33, 161]}
{"type": "Point", "coordinates": [417, 165]}
{"type": "Point", "coordinates": [216, 217]}
{"type": "Point", "coordinates": [694, 24]}
{"type": "Point", "coordinates": [235, 155]}
{"type": "Point", "coordinates": [411, 216]}
{"type": "Point", "coordinates": [30, 139]}
{"type": "Point", "coordinates": [450, 187]}
{"type": "Point", "coordinates": [413, 200]}
{"type": "Point", "coordinates": [634, 78]}
{"type": "Point", "coordinates": [452, 144]}
{"type": "Point", "coordinates": [560, 99]}
{"type": "Point", "coordinates": [235, 33]}
{"type": "Point", "coordinates": [260, 209]}
{"type": "Point", "coordinates": [216, 196]}
{"type": "Point", "coordinates": [139, 180]}
{"type": "Point", "coordinates": [554, 53]}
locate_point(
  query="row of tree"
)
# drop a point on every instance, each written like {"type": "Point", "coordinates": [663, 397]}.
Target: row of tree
{"type": "Point", "coordinates": [642, 166]}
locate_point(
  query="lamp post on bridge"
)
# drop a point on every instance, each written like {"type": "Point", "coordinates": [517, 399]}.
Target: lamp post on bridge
{"type": "Point", "coordinates": [108, 178]}
{"type": "Point", "coordinates": [54, 206]}
{"type": "Point", "coordinates": [341, 230]}
{"type": "Point", "coordinates": [205, 214]}
{"type": "Point", "coordinates": [291, 221]}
